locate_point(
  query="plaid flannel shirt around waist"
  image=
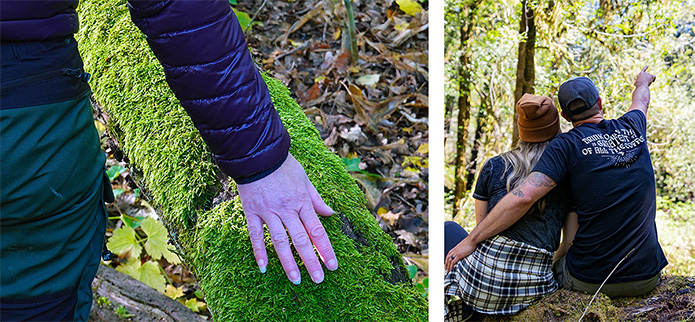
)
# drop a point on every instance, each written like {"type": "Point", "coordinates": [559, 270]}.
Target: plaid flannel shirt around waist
{"type": "Point", "coordinates": [502, 276]}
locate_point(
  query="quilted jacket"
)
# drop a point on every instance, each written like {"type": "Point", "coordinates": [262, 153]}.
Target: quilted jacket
{"type": "Point", "coordinates": [207, 64]}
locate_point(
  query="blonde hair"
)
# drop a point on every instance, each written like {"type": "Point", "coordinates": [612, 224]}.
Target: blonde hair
{"type": "Point", "coordinates": [521, 161]}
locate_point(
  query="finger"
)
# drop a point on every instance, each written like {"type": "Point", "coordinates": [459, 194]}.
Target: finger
{"type": "Point", "coordinates": [318, 236]}
{"type": "Point", "coordinates": [282, 247]}
{"type": "Point", "coordinates": [447, 261]}
{"type": "Point", "coordinates": [302, 243]}
{"type": "Point", "coordinates": [320, 207]}
{"type": "Point", "coordinates": [644, 69]}
{"type": "Point", "coordinates": [255, 225]}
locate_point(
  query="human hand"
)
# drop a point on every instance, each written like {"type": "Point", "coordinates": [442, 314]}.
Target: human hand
{"type": "Point", "coordinates": [644, 78]}
{"type": "Point", "coordinates": [286, 199]}
{"type": "Point", "coordinates": [461, 251]}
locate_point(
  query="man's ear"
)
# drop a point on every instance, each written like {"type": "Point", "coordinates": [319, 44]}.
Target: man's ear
{"type": "Point", "coordinates": [565, 116]}
{"type": "Point", "coordinates": [600, 105]}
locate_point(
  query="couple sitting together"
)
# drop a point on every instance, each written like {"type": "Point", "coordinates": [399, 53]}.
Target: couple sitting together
{"type": "Point", "coordinates": [597, 179]}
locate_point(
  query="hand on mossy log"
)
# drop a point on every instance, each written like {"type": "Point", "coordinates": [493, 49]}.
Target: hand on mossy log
{"type": "Point", "coordinates": [286, 199]}
{"type": "Point", "coordinates": [204, 216]}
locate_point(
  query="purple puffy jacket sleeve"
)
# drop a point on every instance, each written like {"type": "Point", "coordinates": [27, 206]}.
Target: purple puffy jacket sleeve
{"type": "Point", "coordinates": [208, 66]}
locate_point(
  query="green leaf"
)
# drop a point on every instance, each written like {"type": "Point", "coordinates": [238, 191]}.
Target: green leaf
{"type": "Point", "coordinates": [157, 238]}
{"type": "Point", "coordinates": [352, 164]}
{"type": "Point", "coordinates": [412, 271]}
{"type": "Point", "coordinates": [117, 192]}
{"type": "Point", "coordinates": [132, 222]}
{"type": "Point", "coordinates": [410, 7]}
{"type": "Point", "coordinates": [131, 267]}
{"type": "Point", "coordinates": [122, 312]}
{"type": "Point", "coordinates": [194, 305]}
{"type": "Point", "coordinates": [170, 256]}
{"type": "Point", "coordinates": [199, 294]}
{"type": "Point", "coordinates": [151, 274]}
{"type": "Point", "coordinates": [244, 19]}
{"type": "Point", "coordinates": [123, 242]}
{"type": "Point", "coordinates": [148, 273]}
{"type": "Point", "coordinates": [115, 171]}
{"type": "Point", "coordinates": [232, 2]}
{"type": "Point", "coordinates": [426, 282]}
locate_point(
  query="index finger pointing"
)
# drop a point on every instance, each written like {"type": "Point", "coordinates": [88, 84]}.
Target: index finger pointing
{"type": "Point", "coordinates": [644, 69]}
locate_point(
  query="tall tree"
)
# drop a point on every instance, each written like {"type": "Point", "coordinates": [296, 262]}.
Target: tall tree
{"type": "Point", "coordinates": [464, 105]}
{"type": "Point", "coordinates": [525, 68]}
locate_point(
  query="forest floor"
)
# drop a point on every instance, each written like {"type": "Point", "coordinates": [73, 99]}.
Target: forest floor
{"type": "Point", "coordinates": [672, 300]}
{"type": "Point", "coordinates": [372, 113]}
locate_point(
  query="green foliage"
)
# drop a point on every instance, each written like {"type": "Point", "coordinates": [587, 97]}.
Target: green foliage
{"type": "Point", "coordinates": [245, 20]}
{"type": "Point", "coordinates": [422, 286]}
{"type": "Point", "coordinates": [675, 223]}
{"type": "Point", "coordinates": [101, 301]}
{"type": "Point", "coordinates": [148, 272]}
{"type": "Point", "coordinates": [122, 312]}
{"type": "Point", "coordinates": [115, 171]}
{"type": "Point", "coordinates": [352, 164]}
{"type": "Point", "coordinates": [126, 242]}
{"type": "Point", "coordinates": [599, 40]}
{"type": "Point", "coordinates": [177, 171]}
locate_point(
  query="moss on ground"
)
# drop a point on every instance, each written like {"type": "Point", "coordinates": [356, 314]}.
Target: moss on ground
{"type": "Point", "coordinates": [178, 174]}
{"type": "Point", "coordinates": [672, 300]}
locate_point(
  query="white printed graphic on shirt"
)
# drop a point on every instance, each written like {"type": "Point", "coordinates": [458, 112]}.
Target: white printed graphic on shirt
{"type": "Point", "coordinates": [621, 147]}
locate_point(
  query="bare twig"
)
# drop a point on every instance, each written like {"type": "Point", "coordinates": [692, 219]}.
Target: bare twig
{"type": "Point", "coordinates": [352, 33]}
{"type": "Point", "coordinates": [604, 282]}
{"type": "Point", "coordinates": [254, 16]}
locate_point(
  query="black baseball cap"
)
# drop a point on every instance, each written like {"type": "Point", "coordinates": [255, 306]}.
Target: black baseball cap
{"type": "Point", "coordinates": [577, 88]}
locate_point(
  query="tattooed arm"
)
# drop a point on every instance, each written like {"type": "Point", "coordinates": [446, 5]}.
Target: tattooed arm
{"type": "Point", "coordinates": [505, 213]}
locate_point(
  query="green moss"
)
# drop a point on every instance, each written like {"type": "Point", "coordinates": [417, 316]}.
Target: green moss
{"type": "Point", "coordinates": [176, 169]}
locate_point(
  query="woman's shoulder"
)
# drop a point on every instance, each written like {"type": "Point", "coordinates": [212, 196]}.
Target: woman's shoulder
{"type": "Point", "coordinates": [494, 161]}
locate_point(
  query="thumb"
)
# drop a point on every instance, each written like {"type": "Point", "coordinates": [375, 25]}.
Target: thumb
{"type": "Point", "coordinates": [320, 207]}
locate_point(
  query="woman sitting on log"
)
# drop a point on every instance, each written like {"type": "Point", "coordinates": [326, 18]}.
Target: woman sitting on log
{"type": "Point", "coordinates": [510, 271]}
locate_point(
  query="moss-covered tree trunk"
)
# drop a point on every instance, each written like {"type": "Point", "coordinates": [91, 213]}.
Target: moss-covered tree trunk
{"type": "Point", "coordinates": [200, 207]}
{"type": "Point", "coordinates": [526, 66]}
{"type": "Point", "coordinates": [464, 108]}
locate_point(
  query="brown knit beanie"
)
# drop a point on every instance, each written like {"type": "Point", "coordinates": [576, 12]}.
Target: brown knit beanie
{"type": "Point", "coordinates": [538, 118]}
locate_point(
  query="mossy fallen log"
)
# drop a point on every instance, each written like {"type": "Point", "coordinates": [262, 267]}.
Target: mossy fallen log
{"type": "Point", "coordinates": [115, 292]}
{"type": "Point", "coordinates": [202, 213]}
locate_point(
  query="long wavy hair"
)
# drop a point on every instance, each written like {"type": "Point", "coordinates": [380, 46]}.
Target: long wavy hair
{"type": "Point", "coordinates": [519, 162]}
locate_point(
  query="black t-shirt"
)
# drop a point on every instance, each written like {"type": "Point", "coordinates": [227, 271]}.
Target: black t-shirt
{"type": "Point", "coordinates": [540, 229]}
{"type": "Point", "coordinates": [609, 173]}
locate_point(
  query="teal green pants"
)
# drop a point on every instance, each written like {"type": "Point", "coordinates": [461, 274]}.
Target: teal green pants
{"type": "Point", "coordinates": [52, 216]}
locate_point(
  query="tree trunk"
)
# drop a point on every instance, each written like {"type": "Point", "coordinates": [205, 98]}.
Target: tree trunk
{"type": "Point", "coordinates": [475, 146]}
{"type": "Point", "coordinates": [464, 107]}
{"type": "Point", "coordinates": [525, 67]}
{"type": "Point", "coordinates": [113, 289]}
{"type": "Point", "coordinates": [202, 212]}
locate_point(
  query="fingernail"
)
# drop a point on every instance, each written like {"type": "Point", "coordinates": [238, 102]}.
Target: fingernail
{"type": "Point", "coordinates": [332, 264]}
{"type": "Point", "coordinates": [317, 276]}
{"type": "Point", "coordinates": [295, 277]}
{"type": "Point", "coordinates": [261, 265]}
